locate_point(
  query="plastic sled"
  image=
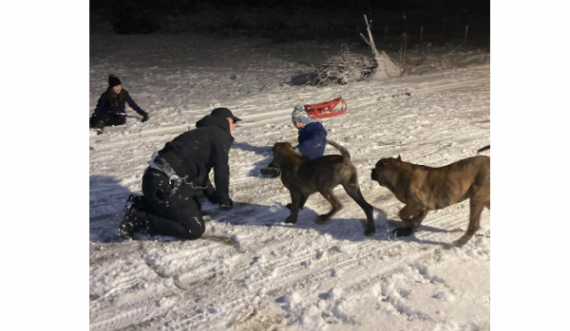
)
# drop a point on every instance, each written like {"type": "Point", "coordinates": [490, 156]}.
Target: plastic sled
{"type": "Point", "coordinates": [326, 109]}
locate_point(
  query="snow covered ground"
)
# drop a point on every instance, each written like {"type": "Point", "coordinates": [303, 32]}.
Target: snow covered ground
{"type": "Point", "coordinates": [272, 275]}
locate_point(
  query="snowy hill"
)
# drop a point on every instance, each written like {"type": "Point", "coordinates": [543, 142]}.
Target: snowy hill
{"type": "Point", "coordinates": [272, 275]}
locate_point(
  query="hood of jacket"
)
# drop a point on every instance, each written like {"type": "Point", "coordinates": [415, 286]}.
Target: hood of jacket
{"type": "Point", "coordinates": [214, 121]}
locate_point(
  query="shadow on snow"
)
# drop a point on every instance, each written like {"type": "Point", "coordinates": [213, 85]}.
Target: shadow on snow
{"type": "Point", "coordinates": [107, 199]}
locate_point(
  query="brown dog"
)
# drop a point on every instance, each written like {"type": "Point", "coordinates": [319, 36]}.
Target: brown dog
{"type": "Point", "coordinates": [304, 177]}
{"type": "Point", "coordinates": [424, 188]}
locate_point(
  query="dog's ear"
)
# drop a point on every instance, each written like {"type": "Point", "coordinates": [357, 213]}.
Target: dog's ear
{"type": "Point", "coordinates": [399, 158]}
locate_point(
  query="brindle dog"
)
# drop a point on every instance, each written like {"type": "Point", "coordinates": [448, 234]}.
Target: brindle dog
{"type": "Point", "coordinates": [423, 188]}
{"type": "Point", "coordinates": [304, 177]}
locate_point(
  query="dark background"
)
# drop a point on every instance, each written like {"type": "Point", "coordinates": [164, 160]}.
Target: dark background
{"type": "Point", "coordinates": [443, 21]}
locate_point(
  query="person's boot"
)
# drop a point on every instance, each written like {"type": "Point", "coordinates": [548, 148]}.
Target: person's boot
{"type": "Point", "coordinates": [270, 171]}
{"type": "Point", "coordinates": [130, 222]}
{"type": "Point", "coordinates": [99, 125]}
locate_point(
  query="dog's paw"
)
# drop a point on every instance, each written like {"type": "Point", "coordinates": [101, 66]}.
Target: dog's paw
{"type": "Point", "coordinates": [370, 232]}
{"type": "Point", "coordinates": [459, 243]}
{"type": "Point", "coordinates": [403, 232]}
{"type": "Point", "coordinates": [322, 219]}
{"type": "Point", "coordinates": [290, 220]}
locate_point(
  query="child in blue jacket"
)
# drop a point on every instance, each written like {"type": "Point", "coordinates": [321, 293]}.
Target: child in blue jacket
{"type": "Point", "coordinates": [312, 139]}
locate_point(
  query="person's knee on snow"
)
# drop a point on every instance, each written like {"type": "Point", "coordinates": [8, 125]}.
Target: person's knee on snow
{"type": "Point", "coordinates": [189, 226]}
{"type": "Point", "coordinates": [195, 227]}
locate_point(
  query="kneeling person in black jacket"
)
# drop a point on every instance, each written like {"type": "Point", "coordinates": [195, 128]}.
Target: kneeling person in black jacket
{"type": "Point", "coordinates": [178, 176]}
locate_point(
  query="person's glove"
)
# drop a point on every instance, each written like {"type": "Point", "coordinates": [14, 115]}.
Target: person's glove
{"type": "Point", "coordinates": [225, 206]}
{"type": "Point", "coordinates": [145, 117]}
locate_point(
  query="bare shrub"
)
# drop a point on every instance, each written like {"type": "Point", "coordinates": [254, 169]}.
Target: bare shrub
{"type": "Point", "coordinates": [344, 68]}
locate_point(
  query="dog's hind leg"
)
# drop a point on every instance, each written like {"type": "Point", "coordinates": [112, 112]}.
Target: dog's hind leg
{"type": "Point", "coordinates": [477, 203]}
{"type": "Point", "coordinates": [336, 206]}
{"type": "Point", "coordinates": [356, 195]}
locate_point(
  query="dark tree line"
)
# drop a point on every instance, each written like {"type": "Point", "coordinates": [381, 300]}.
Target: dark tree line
{"type": "Point", "coordinates": [310, 17]}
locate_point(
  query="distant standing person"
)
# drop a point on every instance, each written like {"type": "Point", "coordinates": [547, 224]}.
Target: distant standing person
{"type": "Point", "coordinates": [110, 108]}
{"type": "Point", "coordinates": [178, 176]}
{"type": "Point", "coordinates": [312, 139]}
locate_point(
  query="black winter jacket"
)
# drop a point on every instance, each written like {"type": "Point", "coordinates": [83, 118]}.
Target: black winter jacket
{"type": "Point", "coordinates": [195, 153]}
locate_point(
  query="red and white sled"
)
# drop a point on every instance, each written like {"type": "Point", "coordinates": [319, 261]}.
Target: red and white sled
{"type": "Point", "coordinates": [327, 109]}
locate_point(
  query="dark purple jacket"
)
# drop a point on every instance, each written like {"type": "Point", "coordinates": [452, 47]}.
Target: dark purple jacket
{"type": "Point", "coordinates": [116, 105]}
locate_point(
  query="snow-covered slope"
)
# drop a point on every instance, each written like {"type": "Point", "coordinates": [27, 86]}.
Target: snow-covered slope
{"type": "Point", "coordinates": [272, 275]}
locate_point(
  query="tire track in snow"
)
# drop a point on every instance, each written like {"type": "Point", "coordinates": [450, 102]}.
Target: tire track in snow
{"type": "Point", "coordinates": [379, 269]}
{"type": "Point", "coordinates": [351, 262]}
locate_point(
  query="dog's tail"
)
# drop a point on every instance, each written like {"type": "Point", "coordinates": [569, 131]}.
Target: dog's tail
{"type": "Point", "coordinates": [343, 151]}
{"type": "Point", "coordinates": [484, 149]}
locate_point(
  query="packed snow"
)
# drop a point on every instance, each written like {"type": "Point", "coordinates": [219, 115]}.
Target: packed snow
{"type": "Point", "coordinates": [266, 274]}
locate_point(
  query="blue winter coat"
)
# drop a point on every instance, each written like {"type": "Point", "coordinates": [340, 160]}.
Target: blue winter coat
{"type": "Point", "coordinates": [312, 140]}
{"type": "Point", "coordinates": [115, 104]}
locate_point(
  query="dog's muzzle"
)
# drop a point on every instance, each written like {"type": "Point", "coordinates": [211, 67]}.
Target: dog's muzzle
{"type": "Point", "coordinates": [378, 179]}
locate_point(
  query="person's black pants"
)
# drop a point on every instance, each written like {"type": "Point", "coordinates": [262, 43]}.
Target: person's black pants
{"type": "Point", "coordinates": [106, 119]}
{"type": "Point", "coordinates": [171, 209]}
